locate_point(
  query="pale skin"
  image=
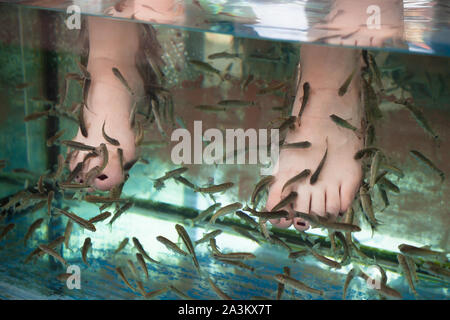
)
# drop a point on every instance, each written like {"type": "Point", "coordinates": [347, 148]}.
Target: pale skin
{"type": "Point", "coordinates": [326, 69]}
{"type": "Point", "coordinates": [114, 44]}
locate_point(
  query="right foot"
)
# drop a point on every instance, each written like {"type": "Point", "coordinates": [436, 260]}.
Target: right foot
{"type": "Point", "coordinates": [325, 69]}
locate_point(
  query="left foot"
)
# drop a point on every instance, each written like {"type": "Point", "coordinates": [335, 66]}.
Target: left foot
{"type": "Point", "coordinates": [108, 100]}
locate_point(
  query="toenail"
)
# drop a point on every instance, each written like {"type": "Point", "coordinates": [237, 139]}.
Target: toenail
{"type": "Point", "coordinates": [299, 223]}
{"type": "Point", "coordinates": [102, 177]}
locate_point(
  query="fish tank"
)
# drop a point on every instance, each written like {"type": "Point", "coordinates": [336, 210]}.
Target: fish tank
{"type": "Point", "coordinates": [188, 216]}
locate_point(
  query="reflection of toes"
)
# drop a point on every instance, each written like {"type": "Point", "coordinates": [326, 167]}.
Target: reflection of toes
{"type": "Point", "coordinates": [281, 223]}
{"type": "Point", "coordinates": [300, 224]}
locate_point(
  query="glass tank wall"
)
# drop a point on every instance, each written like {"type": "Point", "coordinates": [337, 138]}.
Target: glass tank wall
{"type": "Point", "coordinates": [224, 65]}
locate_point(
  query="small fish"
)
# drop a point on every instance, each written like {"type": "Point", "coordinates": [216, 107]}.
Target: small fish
{"type": "Point", "coordinates": [225, 210]}
{"type": "Point", "coordinates": [295, 284]}
{"type": "Point", "coordinates": [423, 252]}
{"type": "Point", "coordinates": [206, 67]}
{"type": "Point", "coordinates": [247, 218]}
{"type": "Point", "coordinates": [85, 224]}
{"type": "Point", "coordinates": [82, 123]}
{"type": "Point", "coordinates": [239, 264]}
{"type": "Point", "coordinates": [296, 145]}
{"type": "Point", "coordinates": [392, 169]}
{"type": "Point", "coordinates": [208, 236]}
{"type": "Point", "coordinates": [40, 184]}
{"type": "Point", "coordinates": [102, 216]}
{"type": "Point", "coordinates": [316, 173]}
{"type": "Point", "coordinates": [100, 199]}
{"type": "Point", "coordinates": [24, 85]}
{"type": "Point", "coordinates": [186, 182]}
{"type": "Point", "coordinates": [285, 201]}
{"type": "Point", "coordinates": [264, 182]}
{"type": "Point", "coordinates": [188, 243]}
{"type": "Point", "coordinates": [208, 107]}
{"type": "Point", "coordinates": [121, 78]}
{"type": "Point", "coordinates": [35, 115]}
{"type": "Point", "coordinates": [67, 233]}
{"type": "Point", "coordinates": [306, 91]}
{"type": "Point", "coordinates": [388, 184]}
{"type": "Point", "coordinates": [219, 292]}
{"type": "Point", "coordinates": [124, 279]}
{"type": "Point", "coordinates": [407, 273]}
{"type": "Point", "coordinates": [141, 261]}
{"type": "Point", "coordinates": [384, 289]}
{"type": "Point", "coordinates": [244, 233]}
{"type": "Point", "coordinates": [350, 275]}
{"type": "Point", "coordinates": [122, 245]}
{"type": "Point", "coordinates": [436, 270]}
{"type": "Point", "coordinates": [216, 188]}
{"type": "Point", "coordinates": [53, 253]}
{"type": "Point", "coordinates": [276, 240]}
{"type": "Point", "coordinates": [363, 152]}
{"type": "Point", "coordinates": [83, 70]}
{"type": "Point", "coordinates": [273, 88]}
{"type": "Point", "coordinates": [247, 81]}
{"type": "Point", "coordinates": [297, 178]}
{"type": "Point", "coordinates": [84, 250]}
{"type": "Point", "coordinates": [141, 250]}
{"type": "Point", "coordinates": [269, 214]}
{"type": "Point", "coordinates": [78, 145]}
{"type": "Point", "coordinates": [92, 174]}
{"type": "Point", "coordinates": [155, 293]}
{"type": "Point", "coordinates": [297, 254]}
{"type": "Point", "coordinates": [119, 212]}
{"type": "Point", "coordinates": [424, 160]}
{"type": "Point", "coordinates": [179, 293]}
{"type": "Point", "coordinates": [171, 246]}
{"type": "Point", "coordinates": [375, 165]}
{"type": "Point", "coordinates": [366, 203]}
{"type": "Point", "coordinates": [34, 226]}
{"type": "Point", "coordinates": [63, 276]}
{"type": "Point", "coordinates": [51, 140]}
{"type": "Point", "coordinates": [343, 88]}
{"type": "Point", "coordinates": [110, 140]}
{"type": "Point", "coordinates": [412, 268]}
{"type": "Point", "coordinates": [236, 103]}
{"type": "Point", "coordinates": [170, 174]}
{"type": "Point", "coordinates": [139, 135]}
{"type": "Point", "coordinates": [235, 256]}
{"type": "Point", "coordinates": [342, 123]}
{"type": "Point", "coordinates": [345, 259]}
{"type": "Point", "coordinates": [202, 215]}
{"type": "Point", "coordinates": [213, 245]}
{"type": "Point", "coordinates": [326, 223]}
{"type": "Point", "coordinates": [421, 120]}
{"type": "Point", "coordinates": [38, 252]}
{"type": "Point", "coordinates": [325, 260]}
{"type": "Point", "coordinates": [135, 274]}
{"type": "Point", "coordinates": [223, 55]}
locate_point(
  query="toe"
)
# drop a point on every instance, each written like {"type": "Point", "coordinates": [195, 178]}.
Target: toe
{"type": "Point", "coordinates": [333, 201]}
{"type": "Point", "coordinates": [347, 194]}
{"type": "Point", "coordinates": [318, 201]}
{"type": "Point", "coordinates": [302, 204]}
{"type": "Point", "coordinates": [272, 200]}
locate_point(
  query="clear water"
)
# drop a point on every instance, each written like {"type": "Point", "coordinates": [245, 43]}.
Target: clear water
{"type": "Point", "coordinates": [36, 47]}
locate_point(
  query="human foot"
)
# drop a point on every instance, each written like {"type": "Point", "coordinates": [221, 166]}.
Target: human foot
{"type": "Point", "coordinates": [159, 11]}
{"type": "Point", "coordinates": [325, 69]}
{"type": "Point", "coordinates": [108, 102]}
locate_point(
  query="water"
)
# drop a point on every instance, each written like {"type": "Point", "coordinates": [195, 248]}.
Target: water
{"type": "Point", "coordinates": [37, 48]}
